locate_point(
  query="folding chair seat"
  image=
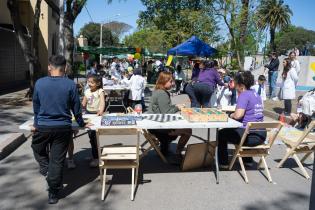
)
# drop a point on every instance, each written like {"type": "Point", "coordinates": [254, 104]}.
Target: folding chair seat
{"type": "Point", "coordinates": [258, 151]}
{"type": "Point", "coordinates": [300, 142]}
{"type": "Point", "coordinates": [118, 157]}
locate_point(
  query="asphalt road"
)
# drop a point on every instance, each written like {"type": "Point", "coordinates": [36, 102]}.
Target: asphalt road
{"type": "Point", "coordinates": [162, 186]}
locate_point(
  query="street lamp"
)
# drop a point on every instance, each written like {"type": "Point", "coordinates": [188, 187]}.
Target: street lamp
{"type": "Point", "coordinates": [101, 33]}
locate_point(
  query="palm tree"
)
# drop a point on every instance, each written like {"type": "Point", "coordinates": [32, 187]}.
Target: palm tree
{"type": "Point", "coordinates": [273, 14]}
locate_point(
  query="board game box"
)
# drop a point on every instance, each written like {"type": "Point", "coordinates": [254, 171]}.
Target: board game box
{"type": "Point", "coordinates": [204, 115]}
{"type": "Point", "coordinates": [119, 120]}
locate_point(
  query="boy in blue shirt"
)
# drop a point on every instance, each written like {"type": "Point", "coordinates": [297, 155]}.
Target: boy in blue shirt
{"type": "Point", "coordinates": [55, 96]}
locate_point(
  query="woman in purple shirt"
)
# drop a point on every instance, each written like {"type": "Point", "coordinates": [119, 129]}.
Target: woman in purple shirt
{"type": "Point", "coordinates": [249, 108]}
{"type": "Point", "coordinates": [200, 92]}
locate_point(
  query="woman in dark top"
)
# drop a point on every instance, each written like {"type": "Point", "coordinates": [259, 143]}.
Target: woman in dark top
{"type": "Point", "coordinates": [160, 103]}
{"type": "Point", "coordinates": [249, 108]}
{"type": "Point", "coordinates": [200, 92]}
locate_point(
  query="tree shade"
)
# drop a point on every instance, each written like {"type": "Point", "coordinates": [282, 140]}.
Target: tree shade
{"type": "Point", "coordinates": [193, 47]}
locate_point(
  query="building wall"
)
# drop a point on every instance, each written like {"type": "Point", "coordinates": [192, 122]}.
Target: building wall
{"type": "Point", "coordinates": [48, 30]}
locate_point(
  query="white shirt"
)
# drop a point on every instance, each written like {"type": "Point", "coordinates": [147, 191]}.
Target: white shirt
{"type": "Point", "coordinates": [93, 99]}
{"type": "Point", "coordinates": [296, 64]}
{"type": "Point", "coordinates": [223, 96]}
{"type": "Point", "coordinates": [137, 85]}
{"type": "Point", "coordinates": [179, 76]}
{"type": "Point", "coordinates": [263, 91]}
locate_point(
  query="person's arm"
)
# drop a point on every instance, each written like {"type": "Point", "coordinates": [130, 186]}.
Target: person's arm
{"type": "Point", "coordinates": [84, 102]}
{"type": "Point", "coordinates": [76, 106]}
{"type": "Point", "coordinates": [102, 104]}
{"type": "Point", "coordinates": [294, 76]}
{"type": "Point", "coordinates": [164, 103]}
{"type": "Point", "coordinates": [241, 105]}
{"type": "Point", "coordinates": [218, 79]}
{"type": "Point", "coordinates": [238, 114]}
{"type": "Point", "coordinates": [36, 105]}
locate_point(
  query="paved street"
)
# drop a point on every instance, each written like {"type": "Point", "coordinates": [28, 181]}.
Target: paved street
{"type": "Point", "coordinates": [162, 186]}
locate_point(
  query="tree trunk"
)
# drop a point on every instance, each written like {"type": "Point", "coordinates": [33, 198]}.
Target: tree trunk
{"type": "Point", "coordinates": [69, 45]}
{"type": "Point", "coordinates": [272, 39]}
{"type": "Point", "coordinates": [37, 66]}
{"type": "Point", "coordinates": [243, 31]}
{"type": "Point", "coordinates": [27, 51]}
{"type": "Point", "coordinates": [61, 41]}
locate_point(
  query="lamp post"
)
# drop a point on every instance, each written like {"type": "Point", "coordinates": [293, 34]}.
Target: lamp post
{"type": "Point", "coordinates": [101, 34]}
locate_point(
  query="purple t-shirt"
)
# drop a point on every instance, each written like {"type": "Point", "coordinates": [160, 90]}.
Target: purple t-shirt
{"type": "Point", "coordinates": [251, 102]}
{"type": "Point", "coordinates": [210, 77]}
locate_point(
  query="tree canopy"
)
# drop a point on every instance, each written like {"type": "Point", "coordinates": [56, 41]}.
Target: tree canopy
{"type": "Point", "coordinates": [118, 28]}
{"type": "Point", "coordinates": [92, 32]}
{"type": "Point", "coordinates": [152, 39]}
{"type": "Point", "coordinates": [179, 20]}
{"type": "Point", "coordinates": [298, 37]}
{"type": "Point", "coordinates": [273, 14]}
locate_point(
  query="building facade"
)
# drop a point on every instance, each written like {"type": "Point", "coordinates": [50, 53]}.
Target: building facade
{"type": "Point", "coordinates": [13, 68]}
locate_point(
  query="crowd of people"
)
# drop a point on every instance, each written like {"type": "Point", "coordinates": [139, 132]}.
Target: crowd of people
{"type": "Point", "coordinates": [56, 99]}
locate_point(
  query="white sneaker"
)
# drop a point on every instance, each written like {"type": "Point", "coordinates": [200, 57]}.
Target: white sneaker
{"type": "Point", "coordinates": [275, 99]}
{"type": "Point", "coordinates": [94, 163]}
{"type": "Point", "coordinates": [71, 164]}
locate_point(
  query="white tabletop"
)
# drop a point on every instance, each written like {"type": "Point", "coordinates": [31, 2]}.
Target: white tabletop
{"type": "Point", "coordinates": [149, 124]}
{"type": "Point", "coordinates": [115, 87]}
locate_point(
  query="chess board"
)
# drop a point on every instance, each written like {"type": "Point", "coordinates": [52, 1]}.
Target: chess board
{"type": "Point", "coordinates": [204, 115]}
{"type": "Point", "coordinates": [163, 117]}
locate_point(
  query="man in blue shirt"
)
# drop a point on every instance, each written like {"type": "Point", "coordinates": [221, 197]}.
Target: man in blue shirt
{"type": "Point", "coordinates": [55, 96]}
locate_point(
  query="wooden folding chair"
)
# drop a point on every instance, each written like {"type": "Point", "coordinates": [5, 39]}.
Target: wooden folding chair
{"type": "Point", "coordinates": [258, 151]}
{"type": "Point", "coordinates": [304, 144]}
{"type": "Point", "coordinates": [118, 157]}
{"type": "Point", "coordinates": [151, 139]}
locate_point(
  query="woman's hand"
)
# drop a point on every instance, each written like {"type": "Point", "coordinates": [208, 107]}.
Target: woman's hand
{"type": "Point", "coordinates": [180, 106]}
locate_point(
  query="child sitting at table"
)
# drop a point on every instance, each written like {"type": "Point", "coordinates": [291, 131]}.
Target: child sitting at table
{"type": "Point", "coordinates": [137, 85]}
{"type": "Point", "coordinates": [160, 103]}
{"type": "Point", "coordinates": [94, 103]}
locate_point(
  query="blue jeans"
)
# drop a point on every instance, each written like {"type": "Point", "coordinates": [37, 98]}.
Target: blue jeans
{"type": "Point", "coordinates": [272, 78]}
{"type": "Point", "coordinates": [199, 94]}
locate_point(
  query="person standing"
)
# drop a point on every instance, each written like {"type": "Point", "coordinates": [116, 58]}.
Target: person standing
{"type": "Point", "coordinates": [273, 74]}
{"type": "Point", "coordinates": [55, 96]}
{"type": "Point", "coordinates": [200, 92]}
{"type": "Point", "coordinates": [289, 81]}
{"type": "Point", "coordinates": [179, 76]}
{"type": "Point", "coordinates": [295, 62]}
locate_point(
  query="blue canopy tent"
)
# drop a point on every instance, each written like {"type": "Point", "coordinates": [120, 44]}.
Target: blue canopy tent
{"type": "Point", "coordinates": [193, 47]}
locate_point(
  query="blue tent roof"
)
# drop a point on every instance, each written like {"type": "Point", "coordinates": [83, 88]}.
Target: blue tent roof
{"type": "Point", "coordinates": [193, 47]}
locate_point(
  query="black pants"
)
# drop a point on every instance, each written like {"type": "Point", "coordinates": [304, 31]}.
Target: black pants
{"type": "Point", "coordinates": [287, 106]}
{"type": "Point", "coordinates": [51, 161]}
{"type": "Point", "coordinates": [178, 84]}
{"type": "Point", "coordinates": [165, 139]}
{"type": "Point", "coordinates": [234, 135]}
{"type": "Point", "coordinates": [93, 142]}
{"type": "Point", "coordinates": [199, 94]}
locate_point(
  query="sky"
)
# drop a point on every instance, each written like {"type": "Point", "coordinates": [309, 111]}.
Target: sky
{"type": "Point", "coordinates": [127, 11]}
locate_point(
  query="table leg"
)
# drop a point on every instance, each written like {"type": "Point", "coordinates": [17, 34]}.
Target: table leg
{"type": "Point", "coordinates": [216, 156]}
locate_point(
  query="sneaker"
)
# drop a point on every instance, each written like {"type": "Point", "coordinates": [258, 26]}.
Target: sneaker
{"type": "Point", "coordinates": [52, 198]}
{"type": "Point", "coordinates": [71, 164]}
{"type": "Point", "coordinates": [275, 99]}
{"type": "Point", "coordinates": [94, 163]}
